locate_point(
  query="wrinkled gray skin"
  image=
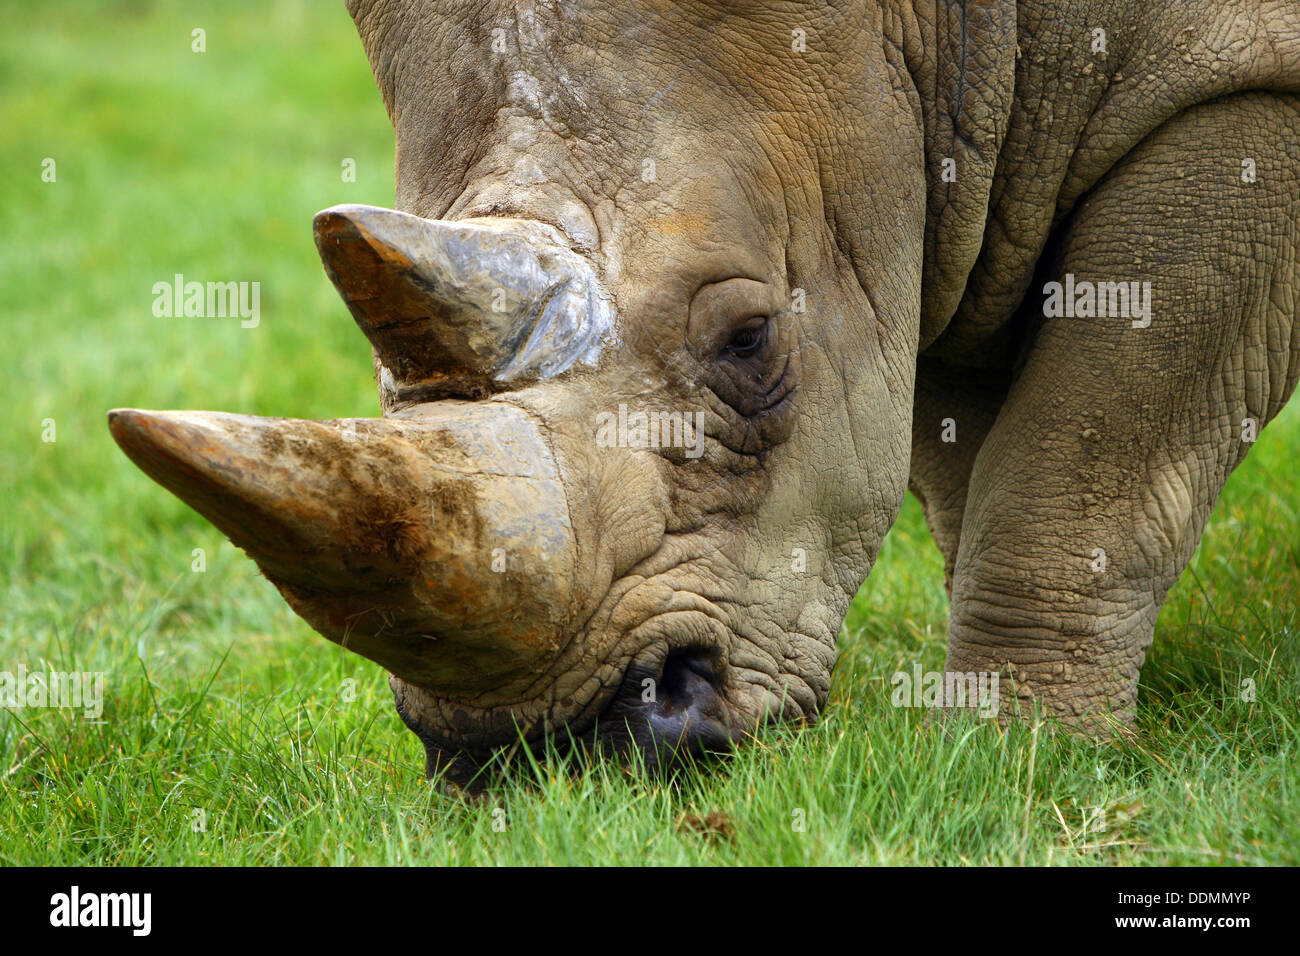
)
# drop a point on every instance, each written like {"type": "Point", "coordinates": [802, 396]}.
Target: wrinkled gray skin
{"type": "Point", "coordinates": [706, 170]}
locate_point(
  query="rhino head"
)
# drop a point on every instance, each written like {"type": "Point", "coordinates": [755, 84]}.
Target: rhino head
{"type": "Point", "coordinates": [645, 334]}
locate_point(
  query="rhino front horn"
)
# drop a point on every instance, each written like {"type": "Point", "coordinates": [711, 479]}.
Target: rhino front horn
{"type": "Point", "coordinates": [439, 547]}
{"type": "Point", "coordinates": [460, 308]}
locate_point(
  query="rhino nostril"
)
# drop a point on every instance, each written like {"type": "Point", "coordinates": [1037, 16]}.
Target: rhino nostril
{"type": "Point", "coordinates": [687, 675]}
{"type": "Point", "coordinates": [689, 711]}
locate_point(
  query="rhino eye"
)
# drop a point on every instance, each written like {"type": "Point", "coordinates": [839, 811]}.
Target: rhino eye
{"type": "Point", "coordinates": [746, 340]}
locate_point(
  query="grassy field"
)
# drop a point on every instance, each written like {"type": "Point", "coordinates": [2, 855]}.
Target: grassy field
{"type": "Point", "coordinates": [234, 735]}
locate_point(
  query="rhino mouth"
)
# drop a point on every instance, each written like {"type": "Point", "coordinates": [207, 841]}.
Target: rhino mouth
{"type": "Point", "coordinates": [667, 710]}
{"type": "Point", "coordinates": [671, 707]}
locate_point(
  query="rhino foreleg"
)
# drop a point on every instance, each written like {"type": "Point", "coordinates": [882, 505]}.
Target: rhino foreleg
{"type": "Point", "coordinates": [1088, 496]}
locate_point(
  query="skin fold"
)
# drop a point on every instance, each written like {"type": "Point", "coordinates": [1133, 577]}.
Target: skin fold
{"type": "Point", "coordinates": [823, 232]}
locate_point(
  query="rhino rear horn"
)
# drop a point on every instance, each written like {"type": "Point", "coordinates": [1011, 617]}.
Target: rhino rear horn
{"type": "Point", "coordinates": [461, 308]}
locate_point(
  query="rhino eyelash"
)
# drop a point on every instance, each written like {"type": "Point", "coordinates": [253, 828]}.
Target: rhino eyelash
{"type": "Point", "coordinates": [746, 341]}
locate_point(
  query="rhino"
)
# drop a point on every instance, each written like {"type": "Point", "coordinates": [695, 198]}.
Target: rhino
{"type": "Point", "coordinates": [678, 299]}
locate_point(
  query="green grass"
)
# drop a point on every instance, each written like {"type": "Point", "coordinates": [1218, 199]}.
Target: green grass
{"type": "Point", "coordinates": [220, 701]}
